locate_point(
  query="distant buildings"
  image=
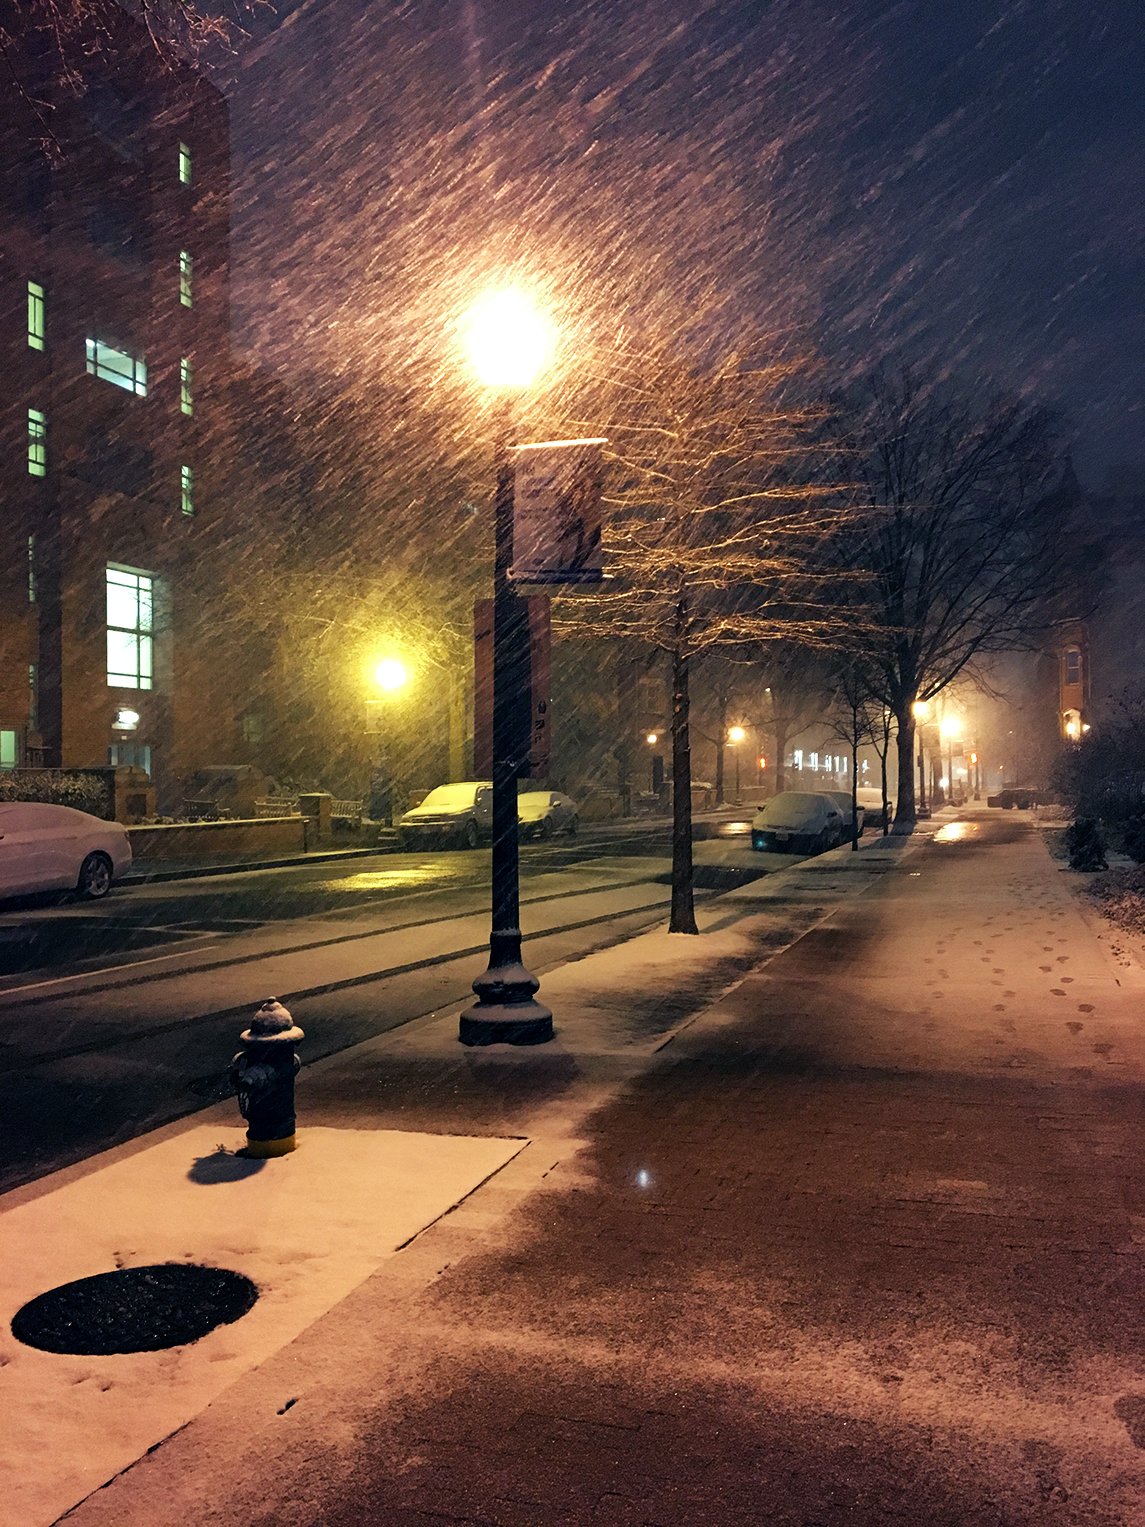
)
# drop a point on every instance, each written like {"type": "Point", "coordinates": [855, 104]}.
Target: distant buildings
{"type": "Point", "coordinates": [114, 331]}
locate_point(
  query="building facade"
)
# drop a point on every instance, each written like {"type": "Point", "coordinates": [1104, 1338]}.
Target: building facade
{"type": "Point", "coordinates": [114, 333]}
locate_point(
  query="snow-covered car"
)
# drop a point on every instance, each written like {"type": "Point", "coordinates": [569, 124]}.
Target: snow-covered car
{"type": "Point", "coordinates": [459, 815]}
{"type": "Point", "coordinates": [56, 848]}
{"type": "Point", "coordinates": [543, 813]}
{"type": "Point", "coordinates": [1017, 795]}
{"type": "Point", "coordinates": [842, 799]}
{"type": "Point", "coordinates": [797, 822]}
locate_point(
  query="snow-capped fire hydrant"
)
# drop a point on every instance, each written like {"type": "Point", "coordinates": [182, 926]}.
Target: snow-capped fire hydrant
{"type": "Point", "coordinates": [263, 1074]}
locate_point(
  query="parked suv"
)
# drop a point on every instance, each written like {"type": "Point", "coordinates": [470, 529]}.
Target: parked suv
{"type": "Point", "coordinates": [458, 816]}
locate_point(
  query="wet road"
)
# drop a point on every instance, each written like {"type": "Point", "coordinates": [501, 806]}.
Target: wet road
{"type": "Point", "coordinates": [51, 932]}
{"type": "Point", "coordinates": [118, 1017]}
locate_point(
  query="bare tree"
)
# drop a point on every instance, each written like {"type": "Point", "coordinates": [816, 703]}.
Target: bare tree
{"type": "Point", "coordinates": [798, 678]}
{"type": "Point", "coordinates": [961, 539]}
{"type": "Point", "coordinates": [880, 722]}
{"type": "Point", "coordinates": [708, 530]}
{"type": "Point", "coordinates": [855, 681]}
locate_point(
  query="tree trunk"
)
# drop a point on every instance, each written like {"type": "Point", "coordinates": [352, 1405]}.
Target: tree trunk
{"type": "Point", "coordinates": [780, 755]}
{"type": "Point", "coordinates": [683, 914]}
{"type": "Point", "coordinates": [886, 799]}
{"type": "Point", "coordinates": [854, 789]}
{"type": "Point", "coordinates": [904, 807]}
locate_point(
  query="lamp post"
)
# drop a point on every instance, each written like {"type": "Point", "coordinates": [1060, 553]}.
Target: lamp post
{"type": "Point", "coordinates": [508, 341]}
{"type": "Point", "coordinates": [390, 676]}
{"type": "Point", "coordinates": [736, 736]}
{"type": "Point", "coordinates": [950, 728]}
{"type": "Point", "coordinates": [921, 710]}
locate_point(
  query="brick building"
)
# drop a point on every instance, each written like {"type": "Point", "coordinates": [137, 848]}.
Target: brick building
{"type": "Point", "coordinates": [114, 331]}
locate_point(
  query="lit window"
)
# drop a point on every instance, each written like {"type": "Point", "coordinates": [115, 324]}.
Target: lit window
{"type": "Point", "coordinates": [815, 760]}
{"type": "Point", "coordinates": [8, 751]}
{"type": "Point", "coordinates": [186, 402]}
{"type": "Point", "coordinates": [117, 366]}
{"type": "Point", "coordinates": [32, 589]}
{"type": "Point", "coordinates": [185, 278]}
{"type": "Point", "coordinates": [36, 315]}
{"type": "Point", "coordinates": [129, 626]}
{"type": "Point", "coordinates": [797, 757]}
{"type": "Point", "coordinates": [135, 754]}
{"type": "Point", "coordinates": [252, 727]}
{"type": "Point", "coordinates": [37, 443]}
{"type": "Point", "coordinates": [187, 490]}
{"type": "Point", "coordinates": [184, 164]}
{"type": "Point", "coordinates": [1072, 666]}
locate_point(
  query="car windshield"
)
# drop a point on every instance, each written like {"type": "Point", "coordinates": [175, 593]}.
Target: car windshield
{"type": "Point", "coordinates": [450, 797]}
{"type": "Point", "coordinates": [794, 807]}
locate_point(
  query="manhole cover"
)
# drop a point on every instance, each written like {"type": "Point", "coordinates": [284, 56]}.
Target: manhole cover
{"type": "Point", "coordinates": [137, 1309]}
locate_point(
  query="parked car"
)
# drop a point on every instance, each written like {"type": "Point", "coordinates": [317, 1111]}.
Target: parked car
{"type": "Point", "coordinates": [1017, 795]}
{"type": "Point", "coordinates": [543, 813]}
{"type": "Point", "coordinates": [797, 822]}
{"type": "Point", "coordinates": [459, 815]}
{"type": "Point", "coordinates": [56, 848]}
{"type": "Point", "coordinates": [842, 799]}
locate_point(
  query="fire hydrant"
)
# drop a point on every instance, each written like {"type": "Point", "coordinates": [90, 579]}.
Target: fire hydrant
{"type": "Point", "coordinates": [263, 1074]}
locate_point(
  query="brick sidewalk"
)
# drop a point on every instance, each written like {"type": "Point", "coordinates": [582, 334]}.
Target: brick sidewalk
{"type": "Point", "coordinates": [862, 1246]}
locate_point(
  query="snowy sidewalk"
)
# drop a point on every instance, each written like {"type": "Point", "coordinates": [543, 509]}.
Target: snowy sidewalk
{"type": "Point", "coordinates": [311, 1228]}
{"type": "Point", "coordinates": [863, 1242]}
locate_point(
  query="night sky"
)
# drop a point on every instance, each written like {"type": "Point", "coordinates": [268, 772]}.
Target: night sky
{"type": "Point", "coordinates": [960, 186]}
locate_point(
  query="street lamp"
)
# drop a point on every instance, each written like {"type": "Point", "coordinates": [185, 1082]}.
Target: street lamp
{"type": "Point", "coordinates": [950, 728]}
{"type": "Point", "coordinates": [736, 735]}
{"type": "Point", "coordinates": [921, 712]}
{"type": "Point", "coordinates": [390, 676]}
{"type": "Point", "coordinates": [508, 341]}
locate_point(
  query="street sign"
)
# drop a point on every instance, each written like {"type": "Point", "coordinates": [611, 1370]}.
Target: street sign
{"type": "Point", "coordinates": [556, 513]}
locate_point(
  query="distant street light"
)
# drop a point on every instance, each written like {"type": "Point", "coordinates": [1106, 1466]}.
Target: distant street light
{"type": "Point", "coordinates": [921, 712]}
{"type": "Point", "coordinates": [736, 735]}
{"type": "Point", "coordinates": [508, 341]}
{"type": "Point", "coordinates": [950, 727]}
{"type": "Point", "coordinates": [390, 676]}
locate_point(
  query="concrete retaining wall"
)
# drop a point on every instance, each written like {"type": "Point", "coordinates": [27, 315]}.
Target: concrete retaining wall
{"type": "Point", "coordinates": [218, 840]}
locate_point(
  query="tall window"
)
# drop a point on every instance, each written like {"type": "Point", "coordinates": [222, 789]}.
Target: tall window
{"type": "Point", "coordinates": [1072, 666]}
{"type": "Point", "coordinates": [36, 316]}
{"type": "Point", "coordinates": [129, 627]}
{"type": "Point", "coordinates": [37, 443]}
{"type": "Point", "coordinates": [185, 277]}
{"type": "Point", "coordinates": [9, 750]}
{"type": "Point", "coordinates": [186, 401]}
{"type": "Point", "coordinates": [186, 490]}
{"type": "Point", "coordinates": [117, 366]}
{"type": "Point", "coordinates": [184, 164]}
{"type": "Point", "coordinates": [33, 589]}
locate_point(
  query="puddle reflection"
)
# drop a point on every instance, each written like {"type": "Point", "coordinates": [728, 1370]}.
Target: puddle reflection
{"type": "Point", "coordinates": [955, 832]}
{"type": "Point", "coordinates": [397, 879]}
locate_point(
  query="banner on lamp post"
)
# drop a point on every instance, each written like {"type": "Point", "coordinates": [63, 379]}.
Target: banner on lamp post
{"type": "Point", "coordinates": [556, 513]}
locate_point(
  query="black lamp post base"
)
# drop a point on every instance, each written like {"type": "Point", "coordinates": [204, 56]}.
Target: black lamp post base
{"type": "Point", "coordinates": [506, 1023]}
{"type": "Point", "coordinates": [506, 1011]}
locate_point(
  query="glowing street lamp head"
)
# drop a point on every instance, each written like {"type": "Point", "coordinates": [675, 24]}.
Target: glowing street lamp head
{"type": "Point", "coordinates": [652, 739]}
{"type": "Point", "coordinates": [951, 727]}
{"type": "Point", "coordinates": [508, 339]}
{"type": "Point", "coordinates": [921, 710]}
{"type": "Point", "coordinates": [736, 734]}
{"type": "Point", "coordinates": [390, 675]}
